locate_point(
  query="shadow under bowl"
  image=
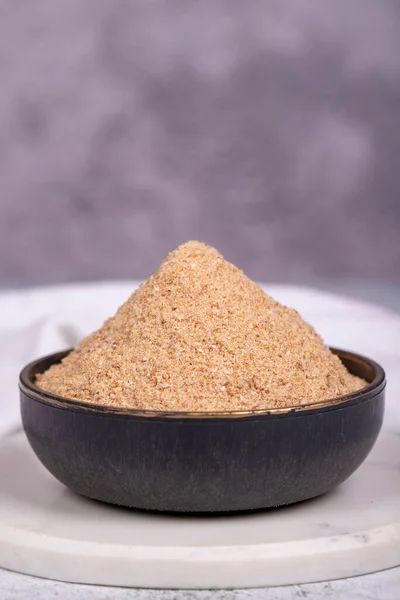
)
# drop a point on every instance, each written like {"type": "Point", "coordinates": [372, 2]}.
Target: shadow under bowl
{"type": "Point", "coordinates": [203, 462]}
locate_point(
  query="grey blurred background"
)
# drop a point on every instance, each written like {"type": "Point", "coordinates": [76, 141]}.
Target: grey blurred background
{"type": "Point", "coordinates": [270, 129]}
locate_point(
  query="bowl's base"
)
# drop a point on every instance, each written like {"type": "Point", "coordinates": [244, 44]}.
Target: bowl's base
{"type": "Point", "coordinates": [201, 514]}
{"type": "Point", "coordinates": [47, 531]}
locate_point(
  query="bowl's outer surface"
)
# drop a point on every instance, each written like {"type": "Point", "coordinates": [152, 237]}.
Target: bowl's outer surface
{"type": "Point", "coordinates": [185, 464]}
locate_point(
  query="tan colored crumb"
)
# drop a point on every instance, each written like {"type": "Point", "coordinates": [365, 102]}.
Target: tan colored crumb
{"type": "Point", "coordinates": [199, 335]}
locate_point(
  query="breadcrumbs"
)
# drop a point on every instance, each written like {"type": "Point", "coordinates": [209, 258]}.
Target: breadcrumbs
{"type": "Point", "coordinates": [198, 335]}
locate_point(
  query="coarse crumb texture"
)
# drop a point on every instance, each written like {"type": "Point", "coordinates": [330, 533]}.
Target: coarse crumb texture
{"type": "Point", "coordinates": [199, 335]}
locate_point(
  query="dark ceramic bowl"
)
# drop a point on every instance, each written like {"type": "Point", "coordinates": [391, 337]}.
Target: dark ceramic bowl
{"type": "Point", "coordinates": [203, 462]}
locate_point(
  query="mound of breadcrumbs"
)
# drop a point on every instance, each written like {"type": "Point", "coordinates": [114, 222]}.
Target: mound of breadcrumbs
{"type": "Point", "coordinates": [199, 335]}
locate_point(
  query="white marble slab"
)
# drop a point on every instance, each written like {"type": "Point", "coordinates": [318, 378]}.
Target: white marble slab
{"type": "Point", "coordinates": [379, 586]}
{"type": "Point", "coordinates": [47, 531]}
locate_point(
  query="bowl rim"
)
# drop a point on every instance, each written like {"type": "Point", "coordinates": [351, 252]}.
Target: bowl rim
{"type": "Point", "coordinates": [29, 388]}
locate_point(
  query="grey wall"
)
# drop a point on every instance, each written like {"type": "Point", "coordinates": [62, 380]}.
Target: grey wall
{"type": "Point", "coordinates": [270, 129]}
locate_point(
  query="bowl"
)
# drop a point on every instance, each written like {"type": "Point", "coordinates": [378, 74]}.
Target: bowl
{"type": "Point", "coordinates": [203, 462]}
